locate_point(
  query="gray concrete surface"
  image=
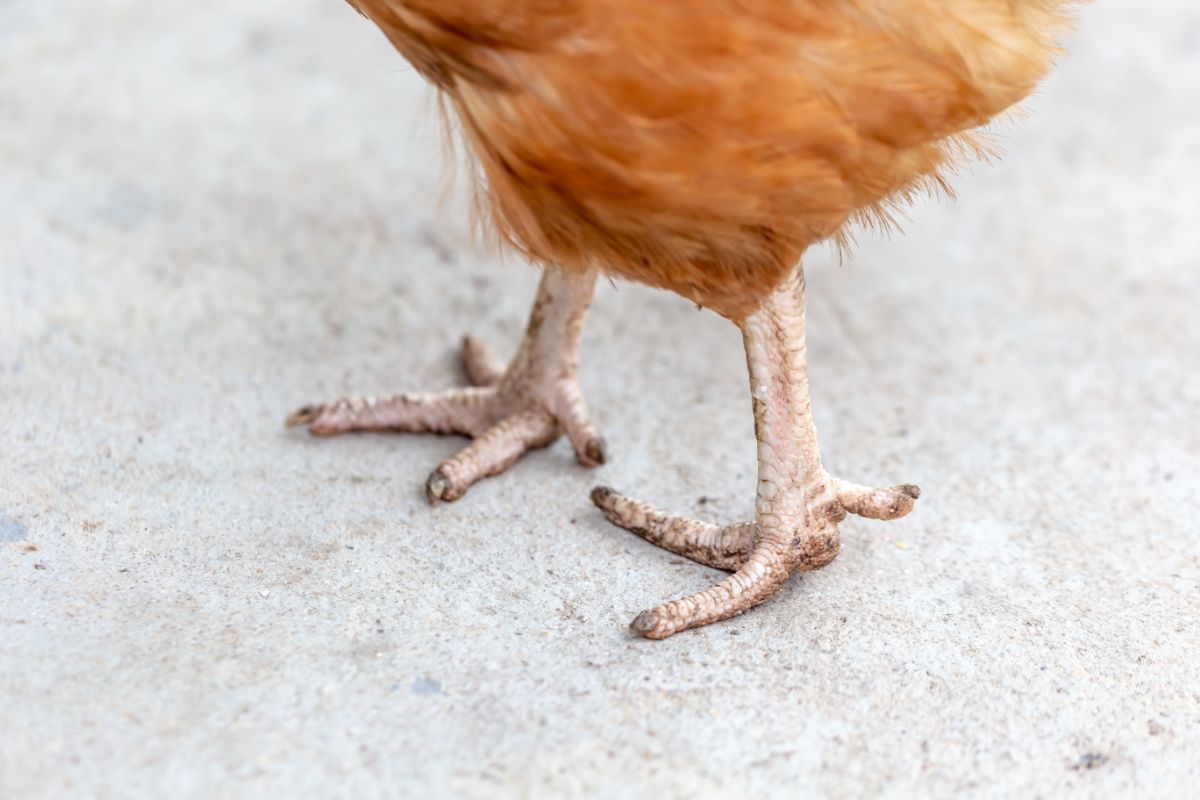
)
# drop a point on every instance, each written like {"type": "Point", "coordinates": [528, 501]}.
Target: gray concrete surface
{"type": "Point", "coordinates": [210, 213]}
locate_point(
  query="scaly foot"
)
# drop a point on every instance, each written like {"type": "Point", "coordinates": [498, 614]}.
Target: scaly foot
{"type": "Point", "coordinates": [798, 504]}
{"type": "Point", "coordinates": [761, 554]}
{"type": "Point", "coordinates": [506, 412]}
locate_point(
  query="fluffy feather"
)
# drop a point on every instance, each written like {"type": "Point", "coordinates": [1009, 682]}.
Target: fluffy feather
{"type": "Point", "coordinates": [702, 145]}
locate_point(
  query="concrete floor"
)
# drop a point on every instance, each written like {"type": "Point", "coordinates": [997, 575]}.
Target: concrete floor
{"type": "Point", "coordinates": [210, 213]}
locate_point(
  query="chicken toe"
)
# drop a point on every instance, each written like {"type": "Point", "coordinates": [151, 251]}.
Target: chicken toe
{"type": "Point", "coordinates": [711, 545]}
{"type": "Point", "coordinates": [507, 411]}
{"type": "Point", "coordinates": [798, 504]}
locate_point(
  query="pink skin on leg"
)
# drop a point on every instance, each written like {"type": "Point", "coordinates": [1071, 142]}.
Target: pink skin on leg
{"type": "Point", "coordinates": [798, 504]}
{"type": "Point", "coordinates": [508, 411]}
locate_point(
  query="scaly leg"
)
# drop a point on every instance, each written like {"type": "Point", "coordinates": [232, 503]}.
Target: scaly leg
{"type": "Point", "coordinates": [798, 504]}
{"type": "Point", "coordinates": [507, 411]}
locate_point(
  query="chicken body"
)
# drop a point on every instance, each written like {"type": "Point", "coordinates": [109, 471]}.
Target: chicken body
{"type": "Point", "coordinates": [699, 147]}
{"type": "Point", "coordinates": [702, 146]}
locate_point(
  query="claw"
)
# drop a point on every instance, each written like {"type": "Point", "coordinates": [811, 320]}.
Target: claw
{"type": "Point", "coordinates": [595, 452]}
{"type": "Point", "coordinates": [601, 495]}
{"type": "Point", "coordinates": [644, 625]}
{"type": "Point", "coordinates": [303, 416]}
{"type": "Point", "coordinates": [437, 488]}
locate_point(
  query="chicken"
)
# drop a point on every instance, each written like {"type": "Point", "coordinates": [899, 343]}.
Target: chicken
{"type": "Point", "coordinates": [698, 146]}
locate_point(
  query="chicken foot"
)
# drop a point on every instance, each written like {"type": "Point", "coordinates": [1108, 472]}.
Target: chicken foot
{"type": "Point", "coordinates": [798, 504]}
{"type": "Point", "coordinates": [507, 411]}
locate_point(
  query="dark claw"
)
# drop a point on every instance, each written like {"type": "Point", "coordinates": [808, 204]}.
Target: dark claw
{"type": "Point", "coordinates": [303, 416]}
{"type": "Point", "coordinates": [595, 452]}
{"type": "Point", "coordinates": [439, 488]}
{"type": "Point", "coordinates": [644, 624]}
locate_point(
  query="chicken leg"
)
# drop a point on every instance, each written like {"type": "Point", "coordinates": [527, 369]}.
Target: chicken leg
{"type": "Point", "coordinates": [798, 504]}
{"type": "Point", "coordinates": [508, 411]}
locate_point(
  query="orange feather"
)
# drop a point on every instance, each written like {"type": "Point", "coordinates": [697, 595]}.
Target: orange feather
{"type": "Point", "coordinates": [702, 146]}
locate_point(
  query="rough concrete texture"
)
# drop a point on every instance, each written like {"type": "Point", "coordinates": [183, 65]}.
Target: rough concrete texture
{"type": "Point", "coordinates": [212, 212]}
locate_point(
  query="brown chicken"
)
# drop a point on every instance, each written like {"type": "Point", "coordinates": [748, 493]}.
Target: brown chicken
{"type": "Point", "coordinates": [699, 146]}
